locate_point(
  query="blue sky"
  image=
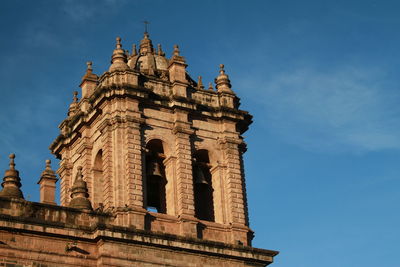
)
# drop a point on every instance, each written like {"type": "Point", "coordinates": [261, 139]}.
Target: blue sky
{"type": "Point", "coordinates": [320, 77]}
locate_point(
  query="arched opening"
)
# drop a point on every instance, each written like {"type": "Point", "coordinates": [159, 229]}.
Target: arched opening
{"type": "Point", "coordinates": [98, 179]}
{"type": "Point", "coordinates": [155, 177]}
{"type": "Point", "coordinates": [202, 186]}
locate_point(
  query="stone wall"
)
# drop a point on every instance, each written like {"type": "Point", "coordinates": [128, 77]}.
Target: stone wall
{"type": "Point", "coordinates": [36, 234]}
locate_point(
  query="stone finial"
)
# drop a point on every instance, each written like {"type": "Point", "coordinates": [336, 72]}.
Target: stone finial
{"type": "Point", "coordinates": [48, 165]}
{"type": "Point", "coordinates": [89, 66]}
{"type": "Point", "coordinates": [47, 183]}
{"type": "Point", "coordinates": [176, 50]}
{"type": "Point", "coordinates": [75, 98]}
{"type": "Point", "coordinates": [134, 50]}
{"type": "Point", "coordinates": [223, 83]}
{"type": "Point", "coordinates": [160, 52]}
{"type": "Point", "coordinates": [210, 87]}
{"type": "Point", "coordinates": [74, 106]}
{"type": "Point", "coordinates": [176, 57]}
{"type": "Point", "coordinates": [146, 46]}
{"type": "Point", "coordinates": [89, 75]}
{"type": "Point", "coordinates": [89, 80]}
{"type": "Point", "coordinates": [177, 72]}
{"type": "Point", "coordinates": [118, 58]}
{"type": "Point", "coordinates": [12, 163]}
{"type": "Point", "coordinates": [118, 44]}
{"type": "Point", "coordinates": [48, 171]}
{"type": "Point", "coordinates": [200, 83]}
{"type": "Point", "coordinates": [11, 182]}
{"type": "Point", "coordinates": [79, 193]}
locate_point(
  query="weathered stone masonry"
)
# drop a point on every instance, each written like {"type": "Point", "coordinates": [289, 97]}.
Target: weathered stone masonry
{"type": "Point", "coordinates": [151, 174]}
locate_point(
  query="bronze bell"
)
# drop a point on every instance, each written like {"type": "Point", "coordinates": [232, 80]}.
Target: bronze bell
{"type": "Point", "coordinates": [154, 168]}
{"type": "Point", "coordinates": [200, 178]}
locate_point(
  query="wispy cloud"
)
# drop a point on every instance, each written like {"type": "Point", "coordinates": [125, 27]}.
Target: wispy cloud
{"type": "Point", "coordinates": [38, 35]}
{"type": "Point", "coordinates": [348, 109]}
{"type": "Point", "coordinates": [82, 10]}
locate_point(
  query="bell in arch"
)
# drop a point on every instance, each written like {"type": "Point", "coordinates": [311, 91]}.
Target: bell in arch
{"type": "Point", "coordinates": [200, 178]}
{"type": "Point", "coordinates": [154, 168]}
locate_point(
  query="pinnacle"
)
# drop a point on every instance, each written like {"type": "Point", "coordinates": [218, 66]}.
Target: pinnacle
{"type": "Point", "coordinates": [11, 181]}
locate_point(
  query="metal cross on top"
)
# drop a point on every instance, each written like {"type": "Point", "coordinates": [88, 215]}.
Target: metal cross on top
{"type": "Point", "coordinates": [145, 25]}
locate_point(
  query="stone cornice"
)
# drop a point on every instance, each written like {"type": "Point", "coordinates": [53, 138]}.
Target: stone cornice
{"type": "Point", "coordinates": [184, 130]}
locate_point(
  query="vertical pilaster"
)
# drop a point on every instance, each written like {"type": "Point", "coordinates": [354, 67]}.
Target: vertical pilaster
{"type": "Point", "coordinates": [235, 191]}
{"type": "Point", "coordinates": [219, 196]}
{"type": "Point", "coordinates": [171, 186]}
{"type": "Point", "coordinates": [65, 173]}
{"type": "Point", "coordinates": [133, 173]}
{"type": "Point", "coordinates": [133, 163]}
{"type": "Point", "coordinates": [106, 140]}
{"type": "Point", "coordinates": [184, 175]}
{"type": "Point", "coordinates": [234, 188]}
{"type": "Point", "coordinates": [85, 152]}
{"type": "Point", "coordinates": [118, 152]}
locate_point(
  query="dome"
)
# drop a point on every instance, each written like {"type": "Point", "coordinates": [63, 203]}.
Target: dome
{"type": "Point", "coordinates": [148, 60]}
{"type": "Point", "coordinates": [143, 63]}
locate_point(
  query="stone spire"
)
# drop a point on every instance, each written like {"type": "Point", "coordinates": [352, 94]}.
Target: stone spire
{"type": "Point", "coordinates": [160, 52]}
{"type": "Point", "coordinates": [176, 52]}
{"type": "Point", "coordinates": [146, 46]}
{"type": "Point", "coordinates": [176, 57]}
{"type": "Point", "coordinates": [210, 87]}
{"type": "Point", "coordinates": [89, 75]}
{"type": "Point", "coordinates": [89, 81]}
{"type": "Point", "coordinates": [73, 107]}
{"type": "Point", "coordinates": [177, 73]}
{"type": "Point", "coordinates": [47, 184]}
{"type": "Point", "coordinates": [118, 59]}
{"type": "Point", "coordinates": [11, 182]}
{"type": "Point", "coordinates": [200, 83]}
{"type": "Point", "coordinates": [223, 84]}
{"type": "Point", "coordinates": [134, 50]}
{"type": "Point", "coordinates": [79, 195]}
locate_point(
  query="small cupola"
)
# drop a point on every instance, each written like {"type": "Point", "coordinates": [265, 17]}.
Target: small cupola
{"type": "Point", "coordinates": [223, 84]}
{"type": "Point", "coordinates": [79, 193]}
{"type": "Point", "coordinates": [118, 58]}
{"type": "Point", "coordinates": [89, 81]}
{"type": "Point", "coordinates": [146, 46]}
{"type": "Point", "coordinates": [11, 182]}
{"type": "Point", "coordinates": [148, 60]}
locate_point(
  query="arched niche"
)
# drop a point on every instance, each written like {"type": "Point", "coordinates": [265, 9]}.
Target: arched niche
{"type": "Point", "coordinates": [202, 186]}
{"type": "Point", "coordinates": [98, 179]}
{"type": "Point", "coordinates": [165, 142]}
{"type": "Point", "coordinates": [155, 180]}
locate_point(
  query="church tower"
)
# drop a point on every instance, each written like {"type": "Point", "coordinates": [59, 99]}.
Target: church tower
{"type": "Point", "coordinates": [151, 172]}
{"type": "Point", "coordinates": [158, 148]}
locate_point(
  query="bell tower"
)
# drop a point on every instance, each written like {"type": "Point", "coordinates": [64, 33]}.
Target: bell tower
{"type": "Point", "coordinates": [156, 148]}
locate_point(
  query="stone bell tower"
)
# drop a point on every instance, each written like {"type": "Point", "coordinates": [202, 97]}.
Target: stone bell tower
{"type": "Point", "coordinates": [156, 148]}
